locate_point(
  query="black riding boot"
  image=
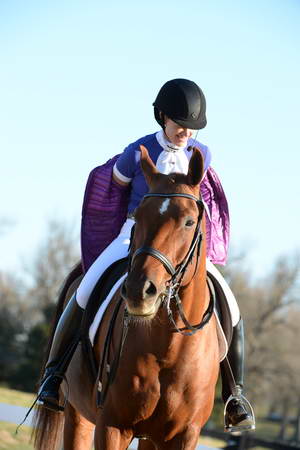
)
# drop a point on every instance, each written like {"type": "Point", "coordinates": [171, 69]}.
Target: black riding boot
{"type": "Point", "coordinates": [238, 414]}
{"type": "Point", "coordinates": [64, 344]}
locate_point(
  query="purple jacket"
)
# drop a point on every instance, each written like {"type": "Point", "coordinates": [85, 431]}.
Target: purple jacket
{"type": "Point", "coordinates": [105, 209]}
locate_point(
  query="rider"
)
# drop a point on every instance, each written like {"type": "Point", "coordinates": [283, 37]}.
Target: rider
{"type": "Point", "coordinates": [180, 109]}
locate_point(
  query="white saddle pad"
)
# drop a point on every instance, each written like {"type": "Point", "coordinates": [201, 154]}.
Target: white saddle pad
{"type": "Point", "coordinates": [98, 317]}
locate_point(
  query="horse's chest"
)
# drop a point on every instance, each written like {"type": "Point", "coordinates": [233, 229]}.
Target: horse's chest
{"type": "Point", "coordinates": [154, 387]}
{"type": "Point", "coordinates": [164, 401]}
{"type": "Point", "coordinates": [159, 391]}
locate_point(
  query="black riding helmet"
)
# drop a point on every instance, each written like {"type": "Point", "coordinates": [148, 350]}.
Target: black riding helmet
{"type": "Point", "coordinates": [183, 102]}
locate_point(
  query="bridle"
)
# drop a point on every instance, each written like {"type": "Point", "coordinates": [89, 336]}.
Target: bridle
{"type": "Point", "coordinates": [177, 273]}
{"type": "Point", "coordinates": [171, 293]}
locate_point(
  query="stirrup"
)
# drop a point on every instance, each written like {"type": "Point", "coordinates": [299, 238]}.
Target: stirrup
{"type": "Point", "coordinates": [239, 428]}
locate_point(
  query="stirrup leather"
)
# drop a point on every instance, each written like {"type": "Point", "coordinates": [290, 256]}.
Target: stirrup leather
{"type": "Point", "coordinates": [239, 428]}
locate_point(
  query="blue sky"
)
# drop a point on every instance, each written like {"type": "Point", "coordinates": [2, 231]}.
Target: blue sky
{"type": "Point", "coordinates": [77, 82]}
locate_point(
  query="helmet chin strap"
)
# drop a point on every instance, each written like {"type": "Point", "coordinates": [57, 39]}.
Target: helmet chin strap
{"type": "Point", "coordinates": [195, 135]}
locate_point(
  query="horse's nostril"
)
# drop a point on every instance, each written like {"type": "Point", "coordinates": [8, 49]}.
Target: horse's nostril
{"type": "Point", "coordinates": [150, 289]}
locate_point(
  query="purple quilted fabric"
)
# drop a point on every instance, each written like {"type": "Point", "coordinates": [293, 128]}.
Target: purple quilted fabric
{"type": "Point", "coordinates": [218, 225]}
{"type": "Point", "coordinates": [105, 208]}
{"type": "Point", "coordinates": [103, 213]}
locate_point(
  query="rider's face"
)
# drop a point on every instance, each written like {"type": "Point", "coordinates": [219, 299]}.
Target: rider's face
{"type": "Point", "coordinates": [177, 134]}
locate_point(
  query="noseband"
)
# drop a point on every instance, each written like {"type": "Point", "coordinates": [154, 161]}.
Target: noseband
{"type": "Point", "coordinates": [177, 273]}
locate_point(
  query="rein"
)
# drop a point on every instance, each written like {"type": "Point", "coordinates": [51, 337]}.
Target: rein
{"type": "Point", "coordinates": [177, 273]}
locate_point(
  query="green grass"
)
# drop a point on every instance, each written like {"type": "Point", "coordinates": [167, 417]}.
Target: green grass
{"type": "Point", "coordinates": [13, 397]}
{"type": "Point", "coordinates": [10, 441]}
{"type": "Point", "coordinates": [211, 442]}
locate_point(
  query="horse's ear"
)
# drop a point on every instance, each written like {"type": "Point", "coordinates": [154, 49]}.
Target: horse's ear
{"type": "Point", "coordinates": [149, 169]}
{"type": "Point", "coordinates": [196, 167]}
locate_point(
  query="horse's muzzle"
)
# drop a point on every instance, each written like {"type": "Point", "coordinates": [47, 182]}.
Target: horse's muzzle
{"type": "Point", "coordinates": [142, 297]}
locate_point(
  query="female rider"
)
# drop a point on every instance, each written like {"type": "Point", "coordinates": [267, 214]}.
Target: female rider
{"type": "Point", "coordinates": [180, 109]}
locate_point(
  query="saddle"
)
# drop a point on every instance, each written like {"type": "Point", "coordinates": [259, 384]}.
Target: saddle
{"type": "Point", "coordinates": [101, 290]}
{"type": "Point", "coordinates": [222, 310]}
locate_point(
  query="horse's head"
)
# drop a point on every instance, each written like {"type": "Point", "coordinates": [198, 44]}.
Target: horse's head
{"type": "Point", "coordinates": [167, 223]}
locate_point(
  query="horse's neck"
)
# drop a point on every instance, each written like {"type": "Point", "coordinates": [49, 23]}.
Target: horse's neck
{"type": "Point", "coordinates": [195, 295]}
{"type": "Point", "coordinates": [195, 299]}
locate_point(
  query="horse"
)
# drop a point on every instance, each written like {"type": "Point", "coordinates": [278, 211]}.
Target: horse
{"type": "Point", "coordinates": [164, 342]}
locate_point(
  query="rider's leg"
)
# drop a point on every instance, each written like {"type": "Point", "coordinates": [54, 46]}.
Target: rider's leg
{"type": "Point", "coordinates": [63, 346]}
{"type": "Point", "coordinates": [237, 412]}
{"type": "Point", "coordinates": [66, 336]}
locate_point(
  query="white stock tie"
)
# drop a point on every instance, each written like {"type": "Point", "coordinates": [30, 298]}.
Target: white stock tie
{"type": "Point", "coordinates": [172, 158]}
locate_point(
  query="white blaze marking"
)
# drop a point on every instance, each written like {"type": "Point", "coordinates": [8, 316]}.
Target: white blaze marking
{"type": "Point", "coordinates": [165, 205]}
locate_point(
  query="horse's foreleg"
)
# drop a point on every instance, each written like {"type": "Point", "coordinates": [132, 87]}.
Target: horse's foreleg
{"type": "Point", "coordinates": [108, 437]}
{"type": "Point", "coordinates": [145, 444]}
{"type": "Point", "coordinates": [187, 440]}
{"type": "Point", "coordinates": [111, 438]}
{"type": "Point", "coordinates": [78, 431]}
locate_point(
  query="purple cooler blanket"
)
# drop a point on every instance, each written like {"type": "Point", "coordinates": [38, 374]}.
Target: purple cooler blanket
{"type": "Point", "coordinates": [105, 209]}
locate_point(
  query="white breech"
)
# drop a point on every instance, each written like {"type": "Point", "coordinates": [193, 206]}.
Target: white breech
{"type": "Point", "coordinates": [119, 249]}
{"type": "Point", "coordinates": [231, 300]}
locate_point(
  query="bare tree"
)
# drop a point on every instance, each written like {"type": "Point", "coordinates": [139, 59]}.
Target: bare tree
{"type": "Point", "coordinates": [13, 315]}
{"type": "Point", "coordinates": [270, 308]}
{"type": "Point", "coordinates": [53, 260]}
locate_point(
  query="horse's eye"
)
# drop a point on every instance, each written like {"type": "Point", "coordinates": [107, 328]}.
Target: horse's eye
{"type": "Point", "coordinates": [189, 222]}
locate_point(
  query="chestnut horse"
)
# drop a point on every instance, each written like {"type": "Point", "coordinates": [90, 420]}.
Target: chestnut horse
{"type": "Point", "coordinates": [164, 383]}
